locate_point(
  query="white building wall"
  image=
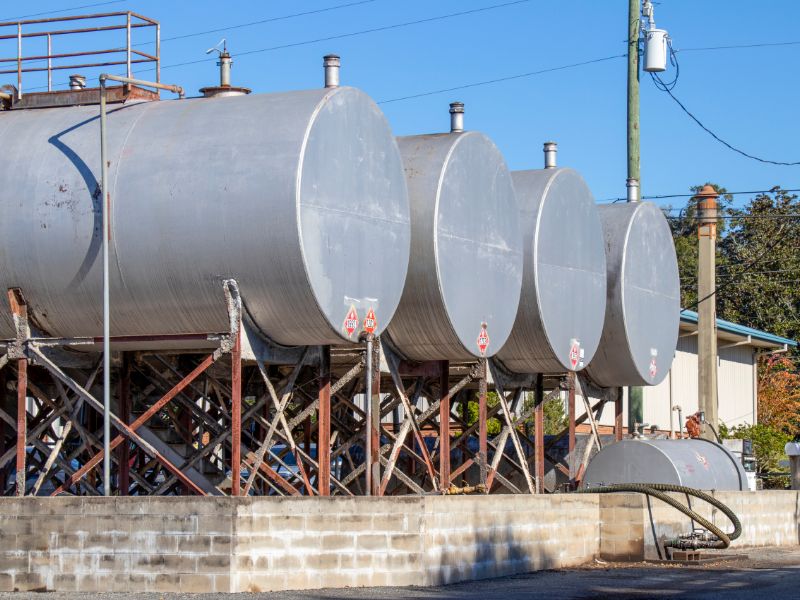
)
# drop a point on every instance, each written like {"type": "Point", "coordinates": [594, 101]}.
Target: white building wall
{"type": "Point", "coordinates": [736, 382]}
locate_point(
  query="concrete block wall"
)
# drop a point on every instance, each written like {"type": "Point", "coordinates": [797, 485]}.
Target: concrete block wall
{"type": "Point", "coordinates": [210, 544]}
{"type": "Point", "coordinates": [115, 544]}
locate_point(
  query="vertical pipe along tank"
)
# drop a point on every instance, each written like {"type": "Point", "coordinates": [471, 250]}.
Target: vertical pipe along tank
{"type": "Point", "coordinates": [465, 270]}
{"type": "Point", "coordinates": [299, 196]}
{"type": "Point", "coordinates": [561, 309]}
{"type": "Point", "coordinates": [640, 333]}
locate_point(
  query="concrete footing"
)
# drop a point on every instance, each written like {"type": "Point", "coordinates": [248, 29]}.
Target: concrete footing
{"type": "Point", "coordinates": [258, 544]}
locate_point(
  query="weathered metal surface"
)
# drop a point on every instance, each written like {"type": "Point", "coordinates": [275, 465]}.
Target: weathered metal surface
{"type": "Point", "coordinates": [561, 309]}
{"type": "Point", "coordinates": [695, 463]}
{"type": "Point", "coordinates": [640, 333]}
{"type": "Point", "coordinates": [299, 196]}
{"type": "Point", "coordinates": [465, 268]}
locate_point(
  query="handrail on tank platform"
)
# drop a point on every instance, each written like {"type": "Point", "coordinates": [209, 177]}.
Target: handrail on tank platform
{"type": "Point", "coordinates": [106, 209]}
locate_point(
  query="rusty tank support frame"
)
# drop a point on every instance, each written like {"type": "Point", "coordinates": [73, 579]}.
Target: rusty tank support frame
{"type": "Point", "coordinates": [234, 421]}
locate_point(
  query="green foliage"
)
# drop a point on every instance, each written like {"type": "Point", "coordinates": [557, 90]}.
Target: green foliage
{"type": "Point", "coordinates": [758, 260]}
{"type": "Point", "coordinates": [555, 420]}
{"type": "Point", "coordinates": [493, 426]}
{"type": "Point", "coordinates": [768, 446]}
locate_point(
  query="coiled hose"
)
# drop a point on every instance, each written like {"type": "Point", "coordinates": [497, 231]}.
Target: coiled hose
{"type": "Point", "coordinates": [658, 490]}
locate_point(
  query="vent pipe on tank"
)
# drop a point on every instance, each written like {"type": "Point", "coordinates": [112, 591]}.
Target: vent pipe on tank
{"type": "Point", "coordinates": [331, 63]}
{"type": "Point", "coordinates": [550, 151]}
{"type": "Point", "coordinates": [633, 190]}
{"type": "Point", "coordinates": [456, 117]}
{"type": "Point", "coordinates": [224, 89]}
{"type": "Point", "coordinates": [77, 82]}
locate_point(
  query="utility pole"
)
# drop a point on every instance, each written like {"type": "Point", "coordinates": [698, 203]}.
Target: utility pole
{"type": "Point", "coordinates": [633, 183]}
{"type": "Point", "coordinates": [707, 307]}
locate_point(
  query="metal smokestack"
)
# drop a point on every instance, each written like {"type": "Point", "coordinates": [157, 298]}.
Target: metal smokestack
{"type": "Point", "coordinates": [550, 151]}
{"type": "Point", "coordinates": [633, 190]}
{"type": "Point", "coordinates": [77, 82]}
{"type": "Point", "coordinates": [331, 63]}
{"type": "Point", "coordinates": [456, 117]}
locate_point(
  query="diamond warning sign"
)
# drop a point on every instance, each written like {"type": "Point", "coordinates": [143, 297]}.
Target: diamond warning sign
{"type": "Point", "coordinates": [351, 321]}
{"type": "Point", "coordinates": [574, 354]}
{"type": "Point", "coordinates": [370, 322]}
{"type": "Point", "coordinates": [653, 368]}
{"type": "Point", "coordinates": [483, 340]}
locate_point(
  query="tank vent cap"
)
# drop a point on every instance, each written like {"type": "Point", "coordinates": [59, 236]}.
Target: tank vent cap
{"type": "Point", "coordinates": [456, 117]}
{"type": "Point", "coordinates": [550, 151]}
{"type": "Point", "coordinates": [331, 63]}
{"type": "Point", "coordinates": [77, 82]}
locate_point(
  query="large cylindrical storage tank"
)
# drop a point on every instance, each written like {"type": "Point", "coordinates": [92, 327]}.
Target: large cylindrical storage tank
{"type": "Point", "coordinates": [563, 300]}
{"type": "Point", "coordinates": [465, 269]}
{"type": "Point", "coordinates": [299, 196]}
{"type": "Point", "coordinates": [695, 463]}
{"type": "Point", "coordinates": [640, 333]}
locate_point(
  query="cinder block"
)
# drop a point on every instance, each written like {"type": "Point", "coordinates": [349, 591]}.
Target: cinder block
{"type": "Point", "coordinates": [6, 582]}
{"type": "Point", "coordinates": [194, 543]}
{"type": "Point", "coordinates": [29, 582]}
{"type": "Point", "coordinates": [213, 563]}
{"type": "Point", "coordinates": [408, 542]}
{"type": "Point", "coordinates": [222, 584]}
{"type": "Point", "coordinates": [196, 583]}
{"type": "Point", "coordinates": [374, 541]}
{"type": "Point", "coordinates": [337, 541]}
{"type": "Point", "coordinates": [166, 582]}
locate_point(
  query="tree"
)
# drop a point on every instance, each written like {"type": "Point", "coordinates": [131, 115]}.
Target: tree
{"type": "Point", "coordinates": [779, 394]}
{"type": "Point", "coordinates": [768, 445]}
{"type": "Point", "coordinates": [492, 425]}
{"type": "Point", "coordinates": [554, 418]}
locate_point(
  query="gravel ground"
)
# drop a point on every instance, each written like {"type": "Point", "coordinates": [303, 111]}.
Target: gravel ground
{"type": "Point", "coordinates": [772, 573]}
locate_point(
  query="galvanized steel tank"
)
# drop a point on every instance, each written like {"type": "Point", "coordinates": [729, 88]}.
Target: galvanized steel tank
{"type": "Point", "coordinates": [696, 463]}
{"type": "Point", "coordinates": [563, 301]}
{"type": "Point", "coordinates": [640, 333]}
{"type": "Point", "coordinates": [299, 196]}
{"type": "Point", "coordinates": [465, 270]}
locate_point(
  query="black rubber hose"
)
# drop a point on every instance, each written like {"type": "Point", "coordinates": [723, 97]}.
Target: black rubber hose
{"type": "Point", "coordinates": [659, 490]}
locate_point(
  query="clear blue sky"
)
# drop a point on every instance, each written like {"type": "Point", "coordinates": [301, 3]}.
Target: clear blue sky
{"type": "Point", "coordinates": [748, 96]}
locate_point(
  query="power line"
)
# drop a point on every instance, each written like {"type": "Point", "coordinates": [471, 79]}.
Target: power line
{"type": "Point", "coordinates": [357, 33]}
{"type": "Point", "coordinates": [264, 21]}
{"type": "Point", "coordinates": [735, 46]}
{"type": "Point", "coordinates": [723, 142]}
{"type": "Point", "coordinates": [500, 79]}
{"type": "Point", "coordinates": [663, 196]}
{"type": "Point", "coordinates": [63, 10]}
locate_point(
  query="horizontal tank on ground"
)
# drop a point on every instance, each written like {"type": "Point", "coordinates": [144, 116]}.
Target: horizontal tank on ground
{"type": "Point", "coordinates": [695, 463]}
{"type": "Point", "coordinates": [640, 332]}
{"type": "Point", "coordinates": [299, 196]}
{"type": "Point", "coordinates": [465, 270]}
{"type": "Point", "coordinates": [563, 300]}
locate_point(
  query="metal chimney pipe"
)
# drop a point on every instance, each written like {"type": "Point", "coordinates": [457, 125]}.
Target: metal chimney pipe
{"type": "Point", "coordinates": [77, 82]}
{"type": "Point", "coordinates": [456, 117]}
{"type": "Point", "coordinates": [633, 190]}
{"type": "Point", "coordinates": [550, 150]}
{"type": "Point", "coordinates": [331, 63]}
{"type": "Point", "coordinates": [225, 63]}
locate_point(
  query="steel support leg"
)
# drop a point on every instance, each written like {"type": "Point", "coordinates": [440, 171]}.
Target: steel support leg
{"type": "Point", "coordinates": [374, 463]}
{"type": "Point", "coordinates": [539, 433]}
{"type": "Point", "coordinates": [571, 419]}
{"type": "Point", "coordinates": [618, 414]}
{"type": "Point", "coordinates": [22, 422]}
{"type": "Point", "coordinates": [236, 414]}
{"type": "Point", "coordinates": [125, 414]}
{"type": "Point", "coordinates": [444, 424]}
{"type": "Point", "coordinates": [483, 394]}
{"type": "Point", "coordinates": [324, 423]}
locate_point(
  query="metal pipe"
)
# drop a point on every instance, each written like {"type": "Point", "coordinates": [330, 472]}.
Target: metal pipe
{"type": "Point", "coordinates": [368, 428]}
{"type": "Point", "coordinates": [106, 295]}
{"type": "Point", "coordinates": [141, 82]}
{"type": "Point", "coordinates": [331, 64]}
{"type": "Point", "coordinates": [49, 63]}
{"type": "Point", "coordinates": [158, 53]}
{"type": "Point", "coordinates": [225, 69]}
{"type": "Point", "coordinates": [106, 210]}
{"type": "Point", "coordinates": [77, 82]}
{"type": "Point", "coordinates": [632, 186]}
{"type": "Point", "coordinates": [550, 150]}
{"type": "Point", "coordinates": [128, 44]}
{"type": "Point", "coordinates": [19, 61]}
{"type": "Point", "coordinates": [456, 117]}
